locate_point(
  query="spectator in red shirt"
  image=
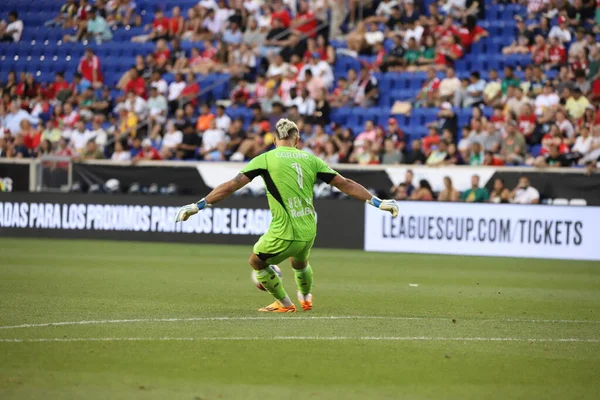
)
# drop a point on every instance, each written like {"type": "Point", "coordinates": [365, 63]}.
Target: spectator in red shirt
{"type": "Point", "coordinates": [432, 139]}
{"type": "Point", "coordinates": [162, 53]}
{"type": "Point", "coordinates": [580, 64]}
{"type": "Point", "coordinates": [58, 116]}
{"type": "Point", "coordinates": [148, 152]}
{"type": "Point", "coordinates": [159, 29]}
{"type": "Point", "coordinates": [176, 23]}
{"type": "Point", "coordinates": [539, 51]}
{"type": "Point", "coordinates": [89, 68]}
{"type": "Point", "coordinates": [448, 50]}
{"type": "Point", "coordinates": [160, 25]}
{"type": "Point", "coordinates": [446, 29]}
{"type": "Point", "coordinates": [57, 86]}
{"type": "Point", "coordinates": [280, 13]}
{"type": "Point", "coordinates": [205, 62]}
{"type": "Point", "coordinates": [63, 150]}
{"type": "Point", "coordinates": [305, 20]}
{"type": "Point", "coordinates": [498, 117]}
{"type": "Point", "coordinates": [557, 55]}
{"type": "Point", "coordinates": [474, 33]}
{"type": "Point", "coordinates": [527, 121]}
{"type": "Point", "coordinates": [28, 87]}
{"type": "Point", "coordinates": [81, 16]}
{"type": "Point", "coordinates": [136, 84]}
{"type": "Point", "coordinates": [490, 160]}
{"type": "Point", "coordinates": [240, 94]}
{"type": "Point", "coordinates": [394, 132]}
{"type": "Point", "coordinates": [554, 138]}
{"type": "Point", "coordinates": [31, 136]}
{"type": "Point", "coordinates": [311, 48]}
{"type": "Point", "coordinates": [428, 95]}
{"type": "Point", "coordinates": [452, 49]}
{"type": "Point", "coordinates": [191, 90]}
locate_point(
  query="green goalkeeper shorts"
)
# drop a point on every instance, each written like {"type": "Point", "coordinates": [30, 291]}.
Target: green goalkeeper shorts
{"type": "Point", "coordinates": [273, 250]}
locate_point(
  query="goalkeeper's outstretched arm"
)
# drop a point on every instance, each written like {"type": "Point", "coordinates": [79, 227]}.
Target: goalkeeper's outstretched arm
{"type": "Point", "coordinates": [226, 189]}
{"type": "Point", "coordinates": [358, 191]}
{"type": "Point", "coordinates": [218, 194]}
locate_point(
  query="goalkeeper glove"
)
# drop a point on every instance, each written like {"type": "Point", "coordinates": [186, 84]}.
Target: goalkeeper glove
{"type": "Point", "coordinates": [386, 205]}
{"type": "Point", "coordinates": [191, 209]}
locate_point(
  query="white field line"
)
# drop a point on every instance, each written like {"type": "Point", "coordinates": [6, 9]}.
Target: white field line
{"type": "Point", "coordinates": [290, 318]}
{"type": "Point", "coordinates": [314, 338]}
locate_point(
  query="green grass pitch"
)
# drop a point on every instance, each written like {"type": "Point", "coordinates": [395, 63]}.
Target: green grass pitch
{"type": "Point", "coordinates": [172, 321]}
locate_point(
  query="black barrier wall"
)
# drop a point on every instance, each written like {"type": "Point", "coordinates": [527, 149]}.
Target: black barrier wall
{"type": "Point", "coordinates": [150, 218]}
{"type": "Point", "coordinates": [14, 177]}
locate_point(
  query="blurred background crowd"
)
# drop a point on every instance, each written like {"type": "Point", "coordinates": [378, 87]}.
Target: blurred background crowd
{"type": "Point", "coordinates": [455, 82]}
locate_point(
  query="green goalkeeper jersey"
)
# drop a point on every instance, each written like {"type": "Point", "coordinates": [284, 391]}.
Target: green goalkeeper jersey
{"type": "Point", "coordinates": [290, 175]}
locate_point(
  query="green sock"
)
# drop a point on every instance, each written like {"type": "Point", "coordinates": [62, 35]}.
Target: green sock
{"type": "Point", "coordinates": [271, 282]}
{"type": "Point", "coordinates": [304, 279]}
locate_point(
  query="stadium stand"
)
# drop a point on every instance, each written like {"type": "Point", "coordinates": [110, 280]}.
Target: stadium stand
{"type": "Point", "coordinates": [475, 83]}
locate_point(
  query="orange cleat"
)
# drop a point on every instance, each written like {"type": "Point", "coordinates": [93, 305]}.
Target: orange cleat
{"type": "Point", "coordinates": [305, 301]}
{"type": "Point", "coordinates": [277, 307]}
{"type": "Point", "coordinates": [306, 305]}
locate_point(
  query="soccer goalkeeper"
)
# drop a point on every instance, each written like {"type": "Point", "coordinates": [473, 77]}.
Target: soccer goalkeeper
{"type": "Point", "coordinates": [289, 175]}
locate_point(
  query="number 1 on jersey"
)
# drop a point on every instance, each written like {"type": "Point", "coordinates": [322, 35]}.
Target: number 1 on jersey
{"type": "Point", "coordinates": [298, 169]}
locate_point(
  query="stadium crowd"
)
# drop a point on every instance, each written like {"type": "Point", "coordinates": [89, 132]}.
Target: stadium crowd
{"type": "Point", "coordinates": [281, 60]}
{"type": "Point", "coordinates": [522, 193]}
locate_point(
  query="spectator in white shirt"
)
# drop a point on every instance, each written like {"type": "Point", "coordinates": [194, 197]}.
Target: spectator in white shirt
{"type": "Point", "coordinates": [471, 95]}
{"type": "Point", "coordinates": [136, 104]}
{"type": "Point", "coordinates": [223, 120]}
{"type": "Point", "coordinates": [546, 100]}
{"type": "Point", "coordinates": [524, 193]}
{"type": "Point", "coordinates": [454, 7]}
{"type": "Point", "coordinates": [384, 9]}
{"type": "Point", "coordinates": [583, 142]}
{"type": "Point", "coordinates": [579, 45]}
{"type": "Point", "coordinates": [449, 85]}
{"type": "Point", "coordinates": [175, 89]}
{"type": "Point", "coordinates": [208, 4]}
{"type": "Point", "coordinates": [533, 6]}
{"type": "Point", "coordinates": [565, 126]}
{"type": "Point", "coordinates": [222, 13]}
{"type": "Point", "coordinates": [516, 100]}
{"type": "Point", "coordinates": [12, 31]}
{"type": "Point", "coordinates": [171, 139]}
{"type": "Point", "coordinates": [594, 150]}
{"type": "Point", "coordinates": [211, 138]}
{"type": "Point", "coordinates": [320, 69]}
{"type": "Point", "coordinates": [306, 105]}
{"type": "Point", "coordinates": [79, 138]}
{"type": "Point", "coordinates": [413, 31]}
{"type": "Point", "coordinates": [97, 132]}
{"type": "Point", "coordinates": [12, 120]}
{"type": "Point", "coordinates": [373, 35]}
{"type": "Point", "coordinates": [157, 106]}
{"type": "Point", "coordinates": [561, 32]}
{"type": "Point", "coordinates": [277, 67]}
{"type": "Point", "coordinates": [212, 23]}
{"type": "Point", "coordinates": [120, 154]}
{"type": "Point", "coordinates": [159, 83]}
